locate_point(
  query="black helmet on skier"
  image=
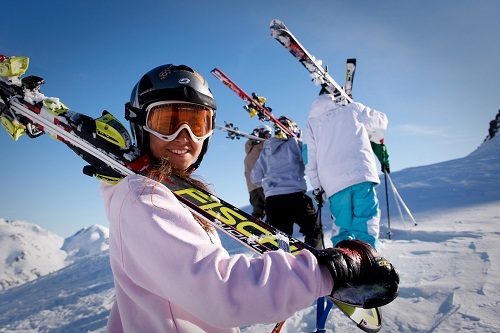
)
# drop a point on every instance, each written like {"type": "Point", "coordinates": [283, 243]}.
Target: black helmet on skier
{"type": "Point", "coordinates": [182, 91]}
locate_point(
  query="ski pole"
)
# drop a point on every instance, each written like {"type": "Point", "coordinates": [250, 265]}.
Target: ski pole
{"type": "Point", "coordinates": [387, 204]}
{"type": "Point", "coordinates": [322, 314]}
{"type": "Point", "coordinates": [323, 306]}
{"type": "Point", "coordinates": [398, 197]}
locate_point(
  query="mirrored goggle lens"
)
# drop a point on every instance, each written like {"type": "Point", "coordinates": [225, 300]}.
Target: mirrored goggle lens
{"type": "Point", "coordinates": [165, 119]}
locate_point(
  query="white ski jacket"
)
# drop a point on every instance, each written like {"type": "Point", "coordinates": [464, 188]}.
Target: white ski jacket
{"type": "Point", "coordinates": [338, 147]}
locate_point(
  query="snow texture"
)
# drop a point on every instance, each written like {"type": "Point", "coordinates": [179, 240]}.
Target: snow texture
{"type": "Point", "coordinates": [448, 262]}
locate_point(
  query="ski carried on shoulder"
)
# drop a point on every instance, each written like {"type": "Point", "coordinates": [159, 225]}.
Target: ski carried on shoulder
{"type": "Point", "coordinates": [104, 143]}
{"type": "Point", "coordinates": [255, 105]}
{"type": "Point", "coordinates": [235, 133]}
{"type": "Point", "coordinates": [314, 66]}
{"type": "Point", "coordinates": [350, 69]}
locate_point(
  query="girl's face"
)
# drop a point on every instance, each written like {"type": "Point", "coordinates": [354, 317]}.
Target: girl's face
{"type": "Point", "coordinates": [181, 151]}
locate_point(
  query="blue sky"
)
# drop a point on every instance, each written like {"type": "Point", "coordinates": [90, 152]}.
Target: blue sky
{"type": "Point", "coordinates": [431, 66]}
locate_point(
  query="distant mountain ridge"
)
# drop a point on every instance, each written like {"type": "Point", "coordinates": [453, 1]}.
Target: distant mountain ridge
{"type": "Point", "coordinates": [27, 251]}
{"type": "Point", "coordinates": [462, 182]}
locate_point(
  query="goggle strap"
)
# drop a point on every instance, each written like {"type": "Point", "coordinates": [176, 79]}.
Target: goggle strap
{"type": "Point", "coordinates": [135, 115]}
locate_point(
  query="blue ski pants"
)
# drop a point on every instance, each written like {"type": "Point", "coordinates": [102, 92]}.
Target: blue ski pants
{"type": "Point", "coordinates": [357, 215]}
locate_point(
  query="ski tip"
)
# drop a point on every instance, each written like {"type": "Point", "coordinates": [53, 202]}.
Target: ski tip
{"type": "Point", "coordinates": [368, 320]}
{"type": "Point", "coordinates": [277, 24]}
{"type": "Point", "coordinates": [217, 73]}
{"type": "Point", "coordinates": [13, 66]}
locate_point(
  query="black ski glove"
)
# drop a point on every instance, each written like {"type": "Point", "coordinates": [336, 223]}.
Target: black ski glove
{"type": "Point", "coordinates": [319, 195]}
{"type": "Point", "coordinates": [356, 265]}
{"type": "Point", "coordinates": [386, 168]}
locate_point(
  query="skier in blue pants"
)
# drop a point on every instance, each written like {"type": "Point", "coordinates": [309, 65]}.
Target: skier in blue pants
{"type": "Point", "coordinates": [341, 165]}
{"type": "Point", "coordinates": [356, 213]}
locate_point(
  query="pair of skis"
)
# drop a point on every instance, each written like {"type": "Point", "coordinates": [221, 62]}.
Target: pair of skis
{"type": "Point", "coordinates": [314, 66]}
{"type": "Point", "coordinates": [252, 102]}
{"type": "Point", "coordinates": [105, 145]}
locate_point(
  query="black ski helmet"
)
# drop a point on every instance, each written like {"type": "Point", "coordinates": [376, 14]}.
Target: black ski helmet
{"type": "Point", "coordinates": [167, 83]}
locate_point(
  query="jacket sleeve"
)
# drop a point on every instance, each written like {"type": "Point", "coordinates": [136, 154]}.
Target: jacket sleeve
{"type": "Point", "coordinates": [372, 119]}
{"type": "Point", "coordinates": [380, 151]}
{"type": "Point", "coordinates": [158, 248]}
{"type": "Point", "coordinates": [311, 161]}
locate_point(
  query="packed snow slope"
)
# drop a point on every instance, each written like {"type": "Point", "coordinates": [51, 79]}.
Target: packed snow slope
{"type": "Point", "coordinates": [450, 279]}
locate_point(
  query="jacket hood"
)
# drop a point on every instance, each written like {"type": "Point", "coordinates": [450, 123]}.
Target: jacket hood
{"type": "Point", "coordinates": [273, 144]}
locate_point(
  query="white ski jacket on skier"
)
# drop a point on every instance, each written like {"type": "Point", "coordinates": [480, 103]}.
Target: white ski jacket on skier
{"type": "Point", "coordinates": [338, 147]}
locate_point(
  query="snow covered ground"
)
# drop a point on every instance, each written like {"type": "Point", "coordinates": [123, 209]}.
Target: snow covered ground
{"type": "Point", "coordinates": [448, 262]}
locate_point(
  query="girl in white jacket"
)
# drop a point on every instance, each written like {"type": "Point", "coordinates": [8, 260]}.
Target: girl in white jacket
{"type": "Point", "coordinates": [340, 160]}
{"type": "Point", "coordinates": [171, 273]}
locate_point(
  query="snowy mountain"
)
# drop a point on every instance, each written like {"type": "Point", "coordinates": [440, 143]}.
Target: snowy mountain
{"type": "Point", "coordinates": [28, 251]}
{"type": "Point", "coordinates": [87, 241]}
{"type": "Point", "coordinates": [462, 182]}
{"type": "Point", "coordinates": [448, 262]}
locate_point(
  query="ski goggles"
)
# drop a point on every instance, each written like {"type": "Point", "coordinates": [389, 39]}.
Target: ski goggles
{"type": "Point", "coordinates": [167, 119]}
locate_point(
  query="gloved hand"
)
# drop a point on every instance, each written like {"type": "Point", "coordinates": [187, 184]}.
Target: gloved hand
{"type": "Point", "coordinates": [386, 168]}
{"type": "Point", "coordinates": [356, 264]}
{"type": "Point", "coordinates": [319, 195]}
